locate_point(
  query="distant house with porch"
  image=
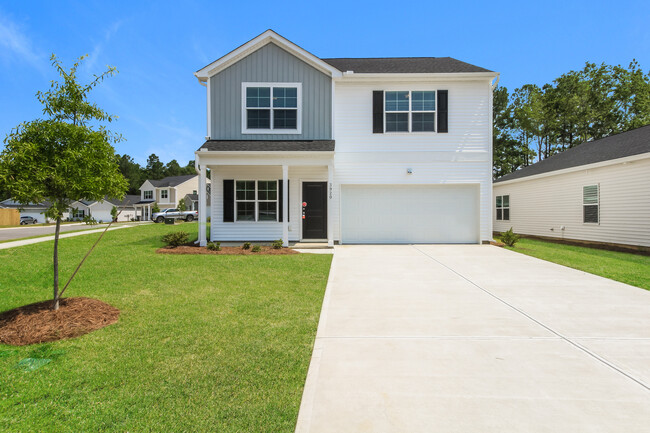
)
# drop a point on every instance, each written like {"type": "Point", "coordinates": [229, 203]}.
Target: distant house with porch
{"type": "Point", "coordinates": [165, 192]}
{"type": "Point", "coordinates": [100, 210]}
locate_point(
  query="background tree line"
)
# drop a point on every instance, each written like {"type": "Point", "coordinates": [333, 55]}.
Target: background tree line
{"type": "Point", "coordinates": [533, 123]}
{"type": "Point", "coordinates": [135, 174]}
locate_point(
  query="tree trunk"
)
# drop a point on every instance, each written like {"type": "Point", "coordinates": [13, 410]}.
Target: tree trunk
{"type": "Point", "coordinates": [55, 305]}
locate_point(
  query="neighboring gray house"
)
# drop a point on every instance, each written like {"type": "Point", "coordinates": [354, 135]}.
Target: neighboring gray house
{"type": "Point", "coordinates": [598, 191]}
{"type": "Point", "coordinates": [349, 150]}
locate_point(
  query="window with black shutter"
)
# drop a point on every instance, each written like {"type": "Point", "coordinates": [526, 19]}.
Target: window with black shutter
{"type": "Point", "coordinates": [590, 204]}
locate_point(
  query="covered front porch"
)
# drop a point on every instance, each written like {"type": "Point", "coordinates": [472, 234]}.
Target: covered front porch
{"type": "Point", "coordinates": [143, 209]}
{"type": "Point", "coordinates": [267, 196]}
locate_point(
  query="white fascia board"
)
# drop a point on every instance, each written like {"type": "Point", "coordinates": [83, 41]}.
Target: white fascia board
{"type": "Point", "coordinates": [460, 76]}
{"type": "Point", "coordinates": [257, 43]}
{"type": "Point", "coordinates": [265, 158]}
{"type": "Point", "coordinates": [600, 164]}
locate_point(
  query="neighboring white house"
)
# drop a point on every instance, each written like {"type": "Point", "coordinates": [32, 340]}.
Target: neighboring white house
{"type": "Point", "coordinates": [101, 210]}
{"type": "Point", "coordinates": [598, 191]}
{"type": "Point", "coordinates": [34, 210]}
{"type": "Point", "coordinates": [353, 150]}
{"type": "Point", "coordinates": [165, 192]}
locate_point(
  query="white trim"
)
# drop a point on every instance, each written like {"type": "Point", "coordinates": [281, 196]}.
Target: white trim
{"type": "Point", "coordinates": [623, 160]}
{"type": "Point", "coordinates": [460, 76]}
{"type": "Point", "coordinates": [285, 205]}
{"type": "Point", "coordinates": [255, 44]}
{"type": "Point", "coordinates": [333, 101]}
{"type": "Point", "coordinates": [597, 185]}
{"type": "Point", "coordinates": [209, 104]}
{"type": "Point", "coordinates": [245, 130]}
{"type": "Point", "coordinates": [410, 112]}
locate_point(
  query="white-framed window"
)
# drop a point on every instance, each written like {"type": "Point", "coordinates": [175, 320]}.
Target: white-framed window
{"type": "Point", "coordinates": [591, 204]}
{"type": "Point", "coordinates": [271, 108]}
{"type": "Point", "coordinates": [148, 195]}
{"type": "Point", "coordinates": [410, 111]}
{"type": "Point", "coordinates": [164, 193]}
{"type": "Point", "coordinates": [503, 208]}
{"type": "Point", "coordinates": [78, 214]}
{"type": "Point", "coordinates": [256, 200]}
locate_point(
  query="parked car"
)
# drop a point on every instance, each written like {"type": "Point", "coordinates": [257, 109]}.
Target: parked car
{"type": "Point", "coordinates": [188, 215]}
{"type": "Point", "coordinates": [27, 220]}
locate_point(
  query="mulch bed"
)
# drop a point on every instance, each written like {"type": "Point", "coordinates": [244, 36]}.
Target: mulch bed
{"type": "Point", "coordinates": [226, 251]}
{"type": "Point", "coordinates": [38, 323]}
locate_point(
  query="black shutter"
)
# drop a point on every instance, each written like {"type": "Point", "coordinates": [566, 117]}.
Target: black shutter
{"type": "Point", "coordinates": [228, 201]}
{"type": "Point", "coordinates": [443, 103]}
{"type": "Point", "coordinates": [280, 192]}
{"type": "Point", "coordinates": [378, 111]}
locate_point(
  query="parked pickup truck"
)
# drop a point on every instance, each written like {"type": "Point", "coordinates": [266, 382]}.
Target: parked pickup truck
{"type": "Point", "coordinates": [188, 215]}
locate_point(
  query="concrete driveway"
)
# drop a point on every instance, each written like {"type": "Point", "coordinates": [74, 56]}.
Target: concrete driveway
{"type": "Point", "coordinates": [447, 338]}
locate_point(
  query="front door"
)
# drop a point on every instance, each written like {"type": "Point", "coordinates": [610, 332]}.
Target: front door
{"type": "Point", "coordinates": [314, 210]}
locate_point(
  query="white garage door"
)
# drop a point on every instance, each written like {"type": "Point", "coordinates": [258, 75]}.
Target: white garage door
{"type": "Point", "coordinates": [410, 213]}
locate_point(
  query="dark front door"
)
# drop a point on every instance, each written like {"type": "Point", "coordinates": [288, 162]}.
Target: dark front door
{"type": "Point", "coordinates": [314, 210]}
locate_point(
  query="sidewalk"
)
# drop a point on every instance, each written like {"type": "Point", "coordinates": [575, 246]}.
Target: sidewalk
{"type": "Point", "coordinates": [20, 243]}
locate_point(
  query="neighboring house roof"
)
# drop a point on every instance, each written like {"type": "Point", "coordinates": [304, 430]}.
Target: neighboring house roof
{"type": "Point", "coordinates": [193, 197]}
{"type": "Point", "coordinates": [127, 201]}
{"type": "Point", "coordinates": [171, 181]}
{"type": "Point", "coordinates": [403, 65]}
{"type": "Point", "coordinates": [145, 201]}
{"type": "Point", "coordinates": [10, 203]}
{"type": "Point", "coordinates": [630, 143]}
{"type": "Point", "coordinates": [268, 145]}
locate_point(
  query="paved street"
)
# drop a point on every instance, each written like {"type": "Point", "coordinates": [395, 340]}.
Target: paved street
{"type": "Point", "coordinates": [27, 231]}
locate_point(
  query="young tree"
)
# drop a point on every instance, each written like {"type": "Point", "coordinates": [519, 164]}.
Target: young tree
{"type": "Point", "coordinates": [114, 213]}
{"type": "Point", "coordinates": [181, 205]}
{"type": "Point", "coordinates": [62, 158]}
{"type": "Point", "coordinates": [155, 208]}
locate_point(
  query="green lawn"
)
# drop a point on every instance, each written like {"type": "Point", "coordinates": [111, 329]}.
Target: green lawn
{"type": "Point", "coordinates": [204, 343]}
{"type": "Point", "coordinates": [628, 268]}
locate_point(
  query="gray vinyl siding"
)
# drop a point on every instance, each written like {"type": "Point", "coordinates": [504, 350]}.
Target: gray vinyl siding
{"type": "Point", "coordinates": [271, 64]}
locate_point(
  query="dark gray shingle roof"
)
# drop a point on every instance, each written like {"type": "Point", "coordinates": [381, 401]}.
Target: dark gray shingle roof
{"type": "Point", "coordinates": [171, 181]}
{"type": "Point", "coordinates": [269, 145]}
{"type": "Point", "coordinates": [616, 146]}
{"type": "Point", "coordinates": [408, 65]}
{"type": "Point", "coordinates": [127, 201]}
{"type": "Point", "coordinates": [193, 197]}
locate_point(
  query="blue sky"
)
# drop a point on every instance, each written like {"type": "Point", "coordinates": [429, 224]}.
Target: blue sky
{"type": "Point", "coordinates": [157, 46]}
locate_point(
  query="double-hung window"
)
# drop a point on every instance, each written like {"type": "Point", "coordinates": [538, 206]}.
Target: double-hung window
{"type": "Point", "coordinates": [148, 195]}
{"type": "Point", "coordinates": [256, 200]}
{"type": "Point", "coordinates": [410, 111]}
{"type": "Point", "coordinates": [164, 193]}
{"type": "Point", "coordinates": [271, 108]}
{"type": "Point", "coordinates": [503, 208]}
{"type": "Point", "coordinates": [590, 204]}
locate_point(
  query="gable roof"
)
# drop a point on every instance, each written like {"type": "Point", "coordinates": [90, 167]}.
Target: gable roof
{"type": "Point", "coordinates": [171, 181]}
{"type": "Point", "coordinates": [336, 66]}
{"type": "Point", "coordinates": [255, 44]}
{"type": "Point", "coordinates": [630, 143]}
{"type": "Point", "coordinates": [403, 65]}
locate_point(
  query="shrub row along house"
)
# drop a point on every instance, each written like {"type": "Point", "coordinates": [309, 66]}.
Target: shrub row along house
{"type": "Point", "coordinates": [352, 150]}
{"type": "Point", "coordinates": [598, 192]}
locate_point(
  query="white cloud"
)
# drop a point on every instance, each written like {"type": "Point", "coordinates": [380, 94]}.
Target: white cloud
{"type": "Point", "coordinates": [14, 43]}
{"type": "Point", "coordinates": [98, 48]}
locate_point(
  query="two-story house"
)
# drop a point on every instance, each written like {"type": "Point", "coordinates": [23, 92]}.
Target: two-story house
{"type": "Point", "coordinates": [349, 150]}
{"type": "Point", "coordinates": [166, 192]}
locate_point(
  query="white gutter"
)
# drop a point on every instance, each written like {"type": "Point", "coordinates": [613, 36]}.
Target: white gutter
{"type": "Point", "coordinates": [496, 83]}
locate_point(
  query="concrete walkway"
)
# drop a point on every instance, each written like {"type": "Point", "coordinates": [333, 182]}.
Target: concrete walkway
{"type": "Point", "coordinates": [475, 339]}
{"type": "Point", "coordinates": [20, 243]}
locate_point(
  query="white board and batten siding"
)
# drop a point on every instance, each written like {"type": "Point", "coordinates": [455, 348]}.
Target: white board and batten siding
{"type": "Point", "coordinates": [540, 204]}
{"type": "Point", "coordinates": [463, 156]}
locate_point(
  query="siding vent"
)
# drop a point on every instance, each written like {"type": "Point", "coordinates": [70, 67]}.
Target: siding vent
{"type": "Point", "coordinates": [590, 204]}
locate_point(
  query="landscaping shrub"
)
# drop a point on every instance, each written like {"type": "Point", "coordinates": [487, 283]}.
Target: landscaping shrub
{"type": "Point", "coordinates": [246, 245]}
{"type": "Point", "coordinates": [214, 246]}
{"type": "Point", "coordinates": [277, 244]}
{"type": "Point", "coordinates": [89, 220]}
{"type": "Point", "coordinates": [175, 239]}
{"type": "Point", "coordinates": [256, 249]}
{"type": "Point", "coordinates": [509, 238]}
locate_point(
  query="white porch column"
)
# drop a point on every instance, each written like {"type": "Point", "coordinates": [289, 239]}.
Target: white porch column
{"type": "Point", "coordinates": [203, 241]}
{"type": "Point", "coordinates": [330, 218]}
{"type": "Point", "coordinates": [285, 205]}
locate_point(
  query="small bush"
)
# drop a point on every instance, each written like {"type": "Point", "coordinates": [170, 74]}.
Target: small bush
{"type": "Point", "coordinates": [214, 246]}
{"type": "Point", "coordinates": [277, 244]}
{"type": "Point", "coordinates": [256, 249]}
{"type": "Point", "coordinates": [89, 220]}
{"type": "Point", "coordinates": [509, 238]}
{"type": "Point", "coordinates": [246, 245]}
{"type": "Point", "coordinates": [175, 239]}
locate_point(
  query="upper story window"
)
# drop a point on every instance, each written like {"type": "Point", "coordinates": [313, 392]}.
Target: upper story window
{"type": "Point", "coordinates": [503, 208]}
{"type": "Point", "coordinates": [164, 193]}
{"type": "Point", "coordinates": [271, 108]}
{"type": "Point", "coordinates": [410, 111]}
{"type": "Point", "coordinates": [148, 195]}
